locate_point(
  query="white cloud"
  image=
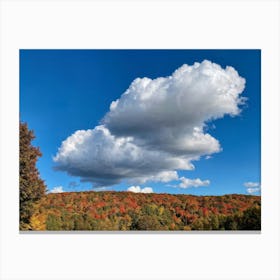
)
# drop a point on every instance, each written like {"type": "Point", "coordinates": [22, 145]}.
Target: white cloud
{"type": "Point", "coordinates": [252, 187]}
{"type": "Point", "coordinates": [164, 176]}
{"type": "Point", "coordinates": [58, 189]}
{"type": "Point", "coordinates": [98, 156]}
{"type": "Point", "coordinates": [170, 113]}
{"type": "Point", "coordinates": [155, 128]}
{"type": "Point", "coordinates": [188, 183]}
{"type": "Point", "coordinates": [138, 189]}
{"type": "Point", "coordinates": [251, 184]}
{"type": "Point", "coordinates": [253, 190]}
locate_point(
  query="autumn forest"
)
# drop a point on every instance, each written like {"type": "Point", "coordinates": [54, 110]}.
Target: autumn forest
{"type": "Point", "coordinates": [125, 211]}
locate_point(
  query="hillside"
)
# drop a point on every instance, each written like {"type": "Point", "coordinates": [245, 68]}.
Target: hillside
{"type": "Point", "coordinates": [138, 211]}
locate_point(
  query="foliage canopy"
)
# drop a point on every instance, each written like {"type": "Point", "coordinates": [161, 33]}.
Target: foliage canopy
{"type": "Point", "coordinates": [137, 211]}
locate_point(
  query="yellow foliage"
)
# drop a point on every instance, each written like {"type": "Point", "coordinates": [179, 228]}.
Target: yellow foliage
{"type": "Point", "coordinates": [38, 222]}
{"type": "Point", "coordinates": [187, 228]}
{"type": "Point", "coordinates": [161, 210]}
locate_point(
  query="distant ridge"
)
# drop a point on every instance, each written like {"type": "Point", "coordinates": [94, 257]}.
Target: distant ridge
{"type": "Point", "coordinates": [119, 211]}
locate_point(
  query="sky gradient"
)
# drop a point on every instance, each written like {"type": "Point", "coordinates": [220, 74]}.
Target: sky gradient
{"type": "Point", "coordinates": [63, 91]}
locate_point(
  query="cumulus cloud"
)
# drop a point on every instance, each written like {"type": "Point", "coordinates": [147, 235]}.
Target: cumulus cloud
{"type": "Point", "coordinates": [253, 190]}
{"type": "Point", "coordinates": [58, 189]}
{"type": "Point", "coordinates": [171, 112]}
{"type": "Point", "coordinates": [98, 156]}
{"type": "Point", "coordinates": [251, 184]}
{"type": "Point", "coordinates": [138, 189]}
{"type": "Point", "coordinates": [155, 128]}
{"type": "Point", "coordinates": [188, 183]}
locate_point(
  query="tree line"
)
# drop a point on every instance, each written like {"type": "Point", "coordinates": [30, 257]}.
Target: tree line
{"type": "Point", "coordinates": [137, 211]}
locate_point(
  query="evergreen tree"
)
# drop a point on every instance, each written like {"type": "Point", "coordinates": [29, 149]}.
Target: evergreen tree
{"type": "Point", "coordinates": [31, 187]}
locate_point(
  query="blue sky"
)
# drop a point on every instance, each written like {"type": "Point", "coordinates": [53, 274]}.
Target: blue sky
{"type": "Point", "coordinates": [62, 91]}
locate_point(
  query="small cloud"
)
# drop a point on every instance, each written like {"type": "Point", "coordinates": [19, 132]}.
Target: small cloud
{"type": "Point", "coordinates": [58, 189]}
{"type": "Point", "coordinates": [251, 184]}
{"type": "Point", "coordinates": [252, 187]}
{"type": "Point", "coordinates": [137, 189]}
{"type": "Point", "coordinates": [188, 183]}
{"type": "Point", "coordinates": [253, 190]}
{"type": "Point", "coordinates": [147, 190]}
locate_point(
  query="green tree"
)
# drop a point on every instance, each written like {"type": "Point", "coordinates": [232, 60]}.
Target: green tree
{"type": "Point", "coordinates": [147, 222]}
{"type": "Point", "coordinates": [232, 222]}
{"type": "Point", "coordinates": [251, 219]}
{"type": "Point", "coordinates": [198, 224]}
{"type": "Point", "coordinates": [31, 187]}
{"type": "Point", "coordinates": [214, 222]}
{"type": "Point", "coordinates": [53, 222]}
